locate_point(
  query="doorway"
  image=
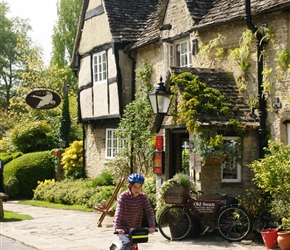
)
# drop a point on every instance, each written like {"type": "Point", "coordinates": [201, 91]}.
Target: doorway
{"type": "Point", "coordinates": [178, 152]}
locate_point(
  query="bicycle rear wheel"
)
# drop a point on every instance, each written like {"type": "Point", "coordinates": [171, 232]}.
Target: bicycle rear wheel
{"type": "Point", "coordinates": [174, 223]}
{"type": "Point", "coordinates": [233, 223]}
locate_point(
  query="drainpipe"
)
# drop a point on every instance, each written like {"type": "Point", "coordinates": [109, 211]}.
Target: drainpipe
{"type": "Point", "coordinates": [262, 102]}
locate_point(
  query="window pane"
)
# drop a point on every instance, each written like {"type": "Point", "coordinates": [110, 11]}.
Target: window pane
{"type": "Point", "coordinates": [100, 67]}
{"type": "Point", "coordinates": [112, 143]}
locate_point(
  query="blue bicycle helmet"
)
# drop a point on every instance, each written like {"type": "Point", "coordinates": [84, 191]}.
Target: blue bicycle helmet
{"type": "Point", "coordinates": [136, 178]}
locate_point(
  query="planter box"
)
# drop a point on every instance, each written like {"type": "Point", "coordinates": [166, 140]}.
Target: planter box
{"type": "Point", "coordinates": [176, 195]}
{"type": "Point", "coordinates": [215, 160]}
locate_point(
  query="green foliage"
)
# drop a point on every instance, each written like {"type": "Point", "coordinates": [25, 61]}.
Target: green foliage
{"type": "Point", "coordinates": [25, 171]}
{"type": "Point", "coordinates": [85, 192]}
{"type": "Point", "coordinates": [179, 179]}
{"type": "Point", "coordinates": [272, 174]}
{"type": "Point", "coordinates": [283, 60]}
{"type": "Point", "coordinates": [72, 192]}
{"type": "Point", "coordinates": [135, 126]}
{"type": "Point", "coordinates": [13, 33]}
{"type": "Point", "coordinates": [209, 52]}
{"type": "Point", "coordinates": [65, 31]}
{"type": "Point", "coordinates": [286, 224]}
{"type": "Point", "coordinates": [7, 157]}
{"type": "Point", "coordinates": [256, 202]}
{"type": "Point", "coordinates": [65, 121]}
{"type": "Point", "coordinates": [149, 188]}
{"type": "Point", "coordinates": [72, 160]}
{"type": "Point", "coordinates": [241, 54]}
{"type": "Point", "coordinates": [104, 179]}
{"type": "Point", "coordinates": [6, 122]}
{"type": "Point", "coordinates": [12, 187]}
{"type": "Point", "coordinates": [32, 137]}
{"type": "Point", "coordinates": [197, 99]}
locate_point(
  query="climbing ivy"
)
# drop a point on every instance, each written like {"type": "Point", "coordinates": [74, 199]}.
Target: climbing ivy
{"type": "Point", "coordinates": [135, 127]}
{"type": "Point", "coordinates": [196, 98]}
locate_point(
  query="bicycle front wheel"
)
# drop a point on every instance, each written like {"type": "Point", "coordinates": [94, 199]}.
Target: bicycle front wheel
{"type": "Point", "coordinates": [174, 223]}
{"type": "Point", "coordinates": [233, 223]}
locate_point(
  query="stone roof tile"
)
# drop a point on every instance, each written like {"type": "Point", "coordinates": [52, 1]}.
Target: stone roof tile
{"type": "Point", "coordinates": [228, 10]}
{"type": "Point", "coordinates": [127, 18]}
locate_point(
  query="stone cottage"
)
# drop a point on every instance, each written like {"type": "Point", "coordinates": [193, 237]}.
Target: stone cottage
{"type": "Point", "coordinates": [208, 38]}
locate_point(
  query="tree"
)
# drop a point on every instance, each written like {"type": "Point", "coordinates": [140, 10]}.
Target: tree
{"type": "Point", "coordinates": [13, 35]}
{"type": "Point", "coordinates": [65, 31]}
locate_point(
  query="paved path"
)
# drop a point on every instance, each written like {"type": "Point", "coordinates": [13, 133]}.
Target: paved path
{"type": "Point", "coordinates": [56, 229]}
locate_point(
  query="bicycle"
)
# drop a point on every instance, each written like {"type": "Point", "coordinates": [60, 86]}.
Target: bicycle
{"type": "Point", "coordinates": [225, 215]}
{"type": "Point", "coordinates": [136, 235]}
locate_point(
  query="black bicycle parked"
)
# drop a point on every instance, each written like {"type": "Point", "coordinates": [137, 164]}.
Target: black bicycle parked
{"type": "Point", "coordinates": [224, 214]}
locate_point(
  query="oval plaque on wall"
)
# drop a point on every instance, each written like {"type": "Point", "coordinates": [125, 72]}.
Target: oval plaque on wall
{"type": "Point", "coordinates": [43, 99]}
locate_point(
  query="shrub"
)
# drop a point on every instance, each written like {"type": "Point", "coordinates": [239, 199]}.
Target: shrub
{"type": "Point", "coordinates": [257, 202]}
{"type": "Point", "coordinates": [7, 157]}
{"type": "Point", "coordinates": [27, 170]}
{"type": "Point", "coordinates": [33, 137]}
{"type": "Point", "coordinates": [105, 179]}
{"type": "Point", "coordinates": [272, 174]}
{"type": "Point", "coordinates": [73, 192]}
{"type": "Point", "coordinates": [85, 192]}
{"type": "Point", "coordinates": [72, 160]}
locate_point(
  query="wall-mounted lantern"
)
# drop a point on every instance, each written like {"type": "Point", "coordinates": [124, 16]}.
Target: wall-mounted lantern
{"type": "Point", "coordinates": [160, 99]}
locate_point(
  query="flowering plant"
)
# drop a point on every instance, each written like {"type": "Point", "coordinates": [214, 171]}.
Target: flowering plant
{"type": "Point", "coordinates": [285, 224]}
{"type": "Point", "coordinates": [178, 180]}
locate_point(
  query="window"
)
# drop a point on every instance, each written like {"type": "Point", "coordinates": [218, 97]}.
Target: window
{"type": "Point", "coordinates": [231, 166]}
{"type": "Point", "coordinates": [169, 54]}
{"type": "Point", "coordinates": [100, 67]}
{"type": "Point", "coordinates": [113, 143]}
{"type": "Point", "coordinates": [178, 54]}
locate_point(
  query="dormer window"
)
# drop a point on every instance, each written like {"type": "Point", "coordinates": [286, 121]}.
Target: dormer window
{"type": "Point", "coordinates": [100, 67]}
{"type": "Point", "coordinates": [178, 53]}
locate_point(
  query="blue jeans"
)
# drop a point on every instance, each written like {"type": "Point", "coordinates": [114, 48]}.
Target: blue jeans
{"type": "Point", "coordinates": [126, 243]}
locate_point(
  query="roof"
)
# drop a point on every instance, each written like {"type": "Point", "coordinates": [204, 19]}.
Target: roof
{"type": "Point", "coordinates": [229, 10]}
{"type": "Point", "coordinates": [127, 18]}
{"type": "Point", "coordinates": [225, 83]}
{"type": "Point", "coordinates": [138, 22]}
{"type": "Point", "coordinates": [209, 13]}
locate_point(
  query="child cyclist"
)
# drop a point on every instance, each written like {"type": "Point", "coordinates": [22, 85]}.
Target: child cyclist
{"type": "Point", "coordinates": [130, 209]}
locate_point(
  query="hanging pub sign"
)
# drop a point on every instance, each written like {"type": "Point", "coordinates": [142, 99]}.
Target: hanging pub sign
{"type": "Point", "coordinates": [158, 162]}
{"type": "Point", "coordinates": [43, 99]}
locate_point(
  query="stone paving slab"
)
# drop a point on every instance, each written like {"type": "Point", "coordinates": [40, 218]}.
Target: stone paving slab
{"type": "Point", "coordinates": [53, 229]}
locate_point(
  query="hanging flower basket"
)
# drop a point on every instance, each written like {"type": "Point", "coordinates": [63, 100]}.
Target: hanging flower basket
{"type": "Point", "coordinates": [176, 195]}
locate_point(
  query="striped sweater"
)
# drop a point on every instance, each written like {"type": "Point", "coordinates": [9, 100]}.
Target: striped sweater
{"type": "Point", "coordinates": [129, 211]}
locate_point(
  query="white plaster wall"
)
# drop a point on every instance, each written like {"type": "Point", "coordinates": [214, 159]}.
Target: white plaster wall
{"type": "Point", "coordinates": [85, 71]}
{"type": "Point", "coordinates": [95, 32]}
{"type": "Point", "coordinates": [100, 95]}
{"type": "Point", "coordinates": [86, 103]}
{"type": "Point", "coordinates": [114, 100]}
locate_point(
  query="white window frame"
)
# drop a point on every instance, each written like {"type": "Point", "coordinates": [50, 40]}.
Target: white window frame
{"type": "Point", "coordinates": [100, 68]}
{"type": "Point", "coordinates": [236, 165]}
{"type": "Point", "coordinates": [178, 53]}
{"type": "Point", "coordinates": [113, 143]}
